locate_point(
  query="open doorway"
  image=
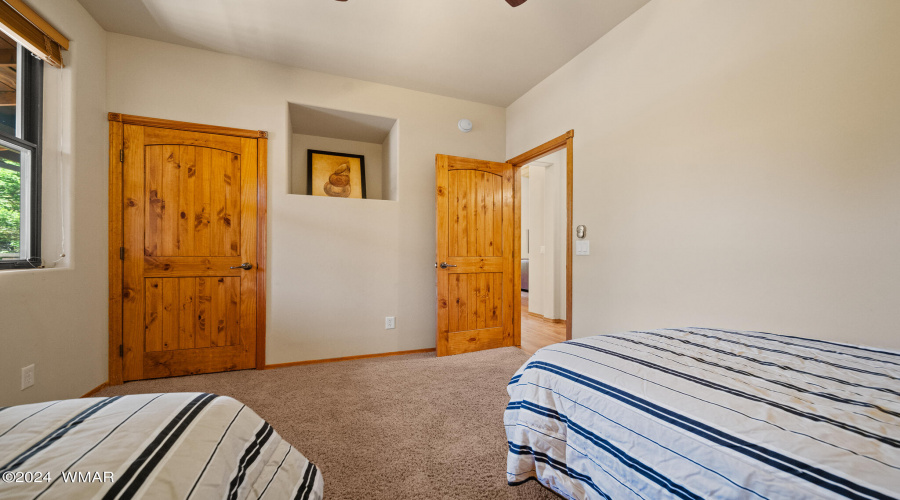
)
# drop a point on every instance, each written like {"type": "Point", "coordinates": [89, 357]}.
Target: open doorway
{"type": "Point", "coordinates": [544, 224]}
{"type": "Point", "coordinates": [478, 252]}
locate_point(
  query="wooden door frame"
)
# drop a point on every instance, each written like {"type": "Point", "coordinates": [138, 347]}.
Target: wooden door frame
{"type": "Point", "coordinates": [564, 141]}
{"type": "Point", "coordinates": [117, 121]}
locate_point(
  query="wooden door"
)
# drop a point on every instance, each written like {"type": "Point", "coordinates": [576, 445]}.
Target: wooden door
{"type": "Point", "coordinates": [476, 248]}
{"type": "Point", "coordinates": [189, 224]}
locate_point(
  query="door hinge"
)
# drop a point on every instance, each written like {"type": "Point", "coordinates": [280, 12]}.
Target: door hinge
{"type": "Point", "coordinates": [121, 351]}
{"type": "Point", "coordinates": [121, 156]}
{"type": "Point", "coordinates": [121, 253]}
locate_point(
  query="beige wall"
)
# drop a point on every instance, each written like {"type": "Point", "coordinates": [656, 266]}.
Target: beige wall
{"type": "Point", "coordinates": [537, 286]}
{"type": "Point", "coordinates": [544, 215]}
{"type": "Point", "coordinates": [736, 165]}
{"type": "Point", "coordinates": [337, 266]}
{"type": "Point", "coordinates": [555, 235]}
{"type": "Point", "coordinates": [57, 318]}
{"type": "Point", "coordinates": [390, 164]}
{"type": "Point", "coordinates": [525, 216]}
{"type": "Point", "coordinates": [372, 155]}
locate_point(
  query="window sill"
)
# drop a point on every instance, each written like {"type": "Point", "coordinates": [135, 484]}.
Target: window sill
{"type": "Point", "coordinates": [24, 270]}
{"type": "Point", "coordinates": [19, 264]}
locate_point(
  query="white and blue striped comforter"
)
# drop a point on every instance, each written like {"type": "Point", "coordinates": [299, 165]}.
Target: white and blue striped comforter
{"type": "Point", "coordinates": [166, 446]}
{"type": "Point", "coordinates": [707, 413]}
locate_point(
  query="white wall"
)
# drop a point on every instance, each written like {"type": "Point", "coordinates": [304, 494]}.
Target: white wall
{"type": "Point", "coordinates": [337, 267]}
{"type": "Point", "coordinates": [57, 318]}
{"type": "Point", "coordinates": [555, 238]}
{"type": "Point", "coordinates": [390, 164]}
{"type": "Point", "coordinates": [535, 220]}
{"type": "Point", "coordinates": [546, 218]}
{"type": "Point", "coordinates": [736, 165]}
{"type": "Point", "coordinates": [525, 218]}
{"type": "Point", "coordinates": [372, 155]}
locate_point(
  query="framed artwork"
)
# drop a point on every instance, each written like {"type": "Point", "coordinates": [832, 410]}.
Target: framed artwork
{"type": "Point", "coordinates": [338, 175]}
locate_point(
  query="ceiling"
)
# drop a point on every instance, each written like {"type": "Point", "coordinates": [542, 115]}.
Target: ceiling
{"type": "Point", "coordinates": [321, 122]}
{"type": "Point", "coordinates": [479, 50]}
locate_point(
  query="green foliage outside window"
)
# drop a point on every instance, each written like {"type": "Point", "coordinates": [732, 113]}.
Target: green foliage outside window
{"type": "Point", "coordinates": [10, 185]}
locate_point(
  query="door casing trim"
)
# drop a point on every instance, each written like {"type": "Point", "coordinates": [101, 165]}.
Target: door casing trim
{"type": "Point", "coordinates": [553, 145]}
{"type": "Point", "coordinates": [117, 228]}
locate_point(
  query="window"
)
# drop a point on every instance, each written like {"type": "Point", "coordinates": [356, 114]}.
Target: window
{"type": "Point", "coordinates": [21, 89]}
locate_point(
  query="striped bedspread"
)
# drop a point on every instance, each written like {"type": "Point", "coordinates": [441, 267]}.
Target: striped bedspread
{"type": "Point", "coordinates": [707, 413]}
{"type": "Point", "coordinates": [181, 445]}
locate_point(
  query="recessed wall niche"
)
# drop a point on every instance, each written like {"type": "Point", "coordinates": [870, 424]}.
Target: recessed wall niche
{"type": "Point", "coordinates": [375, 138]}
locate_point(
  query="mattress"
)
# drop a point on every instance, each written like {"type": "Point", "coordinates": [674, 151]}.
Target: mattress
{"type": "Point", "coordinates": [707, 413]}
{"type": "Point", "coordinates": [179, 445]}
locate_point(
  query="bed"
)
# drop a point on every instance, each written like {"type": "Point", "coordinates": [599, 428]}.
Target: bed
{"type": "Point", "coordinates": [706, 413]}
{"type": "Point", "coordinates": [178, 445]}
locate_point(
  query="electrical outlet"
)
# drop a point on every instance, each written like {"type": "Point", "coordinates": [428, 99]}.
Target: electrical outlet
{"type": "Point", "coordinates": [390, 322]}
{"type": "Point", "coordinates": [27, 377]}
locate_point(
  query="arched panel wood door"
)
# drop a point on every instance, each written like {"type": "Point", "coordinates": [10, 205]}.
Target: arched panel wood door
{"type": "Point", "coordinates": [190, 252]}
{"type": "Point", "coordinates": [476, 250]}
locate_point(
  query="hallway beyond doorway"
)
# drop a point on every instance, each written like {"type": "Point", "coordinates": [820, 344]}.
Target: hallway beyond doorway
{"type": "Point", "coordinates": [537, 331]}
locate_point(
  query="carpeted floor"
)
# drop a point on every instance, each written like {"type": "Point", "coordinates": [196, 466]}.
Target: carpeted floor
{"type": "Point", "coordinates": [403, 427]}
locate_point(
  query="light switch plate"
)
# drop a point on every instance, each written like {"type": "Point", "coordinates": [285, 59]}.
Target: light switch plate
{"type": "Point", "coordinates": [583, 247]}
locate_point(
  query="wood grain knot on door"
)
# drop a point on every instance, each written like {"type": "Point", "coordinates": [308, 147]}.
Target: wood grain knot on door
{"type": "Point", "coordinates": [189, 313]}
{"type": "Point", "coordinates": [190, 221]}
{"type": "Point", "coordinates": [194, 200]}
{"type": "Point", "coordinates": [476, 213]}
{"type": "Point", "coordinates": [475, 301]}
{"type": "Point", "coordinates": [474, 236]}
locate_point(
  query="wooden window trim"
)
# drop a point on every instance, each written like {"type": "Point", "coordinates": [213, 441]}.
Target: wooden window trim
{"type": "Point", "coordinates": [32, 31]}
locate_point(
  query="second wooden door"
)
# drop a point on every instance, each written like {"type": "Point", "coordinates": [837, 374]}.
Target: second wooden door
{"type": "Point", "coordinates": [476, 293]}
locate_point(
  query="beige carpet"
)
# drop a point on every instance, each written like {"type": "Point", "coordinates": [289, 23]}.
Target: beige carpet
{"type": "Point", "coordinates": [403, 427]}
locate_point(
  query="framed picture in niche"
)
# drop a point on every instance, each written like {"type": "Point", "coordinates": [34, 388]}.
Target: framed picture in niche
{"type": "Point", "coordinates": [338, 175]}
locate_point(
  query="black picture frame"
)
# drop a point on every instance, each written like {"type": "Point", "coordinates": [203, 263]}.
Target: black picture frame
{"type": "Point", "coordinates": [310, 167]}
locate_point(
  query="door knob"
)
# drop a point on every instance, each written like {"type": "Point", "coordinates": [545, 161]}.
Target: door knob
{"type": "Point", "coordinates": [246, 266]}
{"type": "Point", "coordinates": [444, 265]}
